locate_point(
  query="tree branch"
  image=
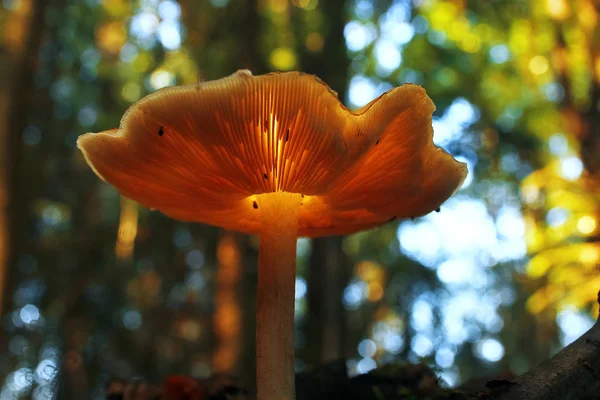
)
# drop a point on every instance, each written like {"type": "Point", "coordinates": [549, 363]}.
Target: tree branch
{"type": "Point", "coordinates": [573, 373]}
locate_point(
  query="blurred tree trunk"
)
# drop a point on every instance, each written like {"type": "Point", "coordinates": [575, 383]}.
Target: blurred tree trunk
{"type": "Point", "coordinates": [328, 272]}
{"type": "Point", "coordinates": [244, 19]}
{"type": "Point", "coordinates": [18, 57]}
{"type": "Point", "coordinates": [238, 22]}
{"type": "Point", "coordinates": [249, 58]}
{"type": "Point", "coordinates": [227, 318]}
{"type": "Point", "coordinates": [328, 269]}
{"type": "Point", "coordinates": [590, 124]}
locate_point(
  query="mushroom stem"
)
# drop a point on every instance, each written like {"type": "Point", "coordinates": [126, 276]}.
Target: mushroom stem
{"type": "Point", "coordinates": [276, 296]}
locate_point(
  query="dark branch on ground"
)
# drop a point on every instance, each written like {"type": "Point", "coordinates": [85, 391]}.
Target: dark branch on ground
{"type": "Point", "coordinates": [573, 373]}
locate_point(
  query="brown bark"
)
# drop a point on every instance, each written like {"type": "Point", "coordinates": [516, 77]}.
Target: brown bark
{"type": "Point", "coordinates": [573, 373]}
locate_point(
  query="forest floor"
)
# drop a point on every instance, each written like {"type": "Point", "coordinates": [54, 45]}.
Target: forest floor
{"type": "Point", "coordinates": [572, 374]}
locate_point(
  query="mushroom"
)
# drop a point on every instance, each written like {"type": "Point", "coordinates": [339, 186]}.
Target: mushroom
{"type": "Point", "coordinates": [277, 155]}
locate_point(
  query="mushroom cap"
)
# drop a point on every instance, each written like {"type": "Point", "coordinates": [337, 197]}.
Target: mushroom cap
{"type": "Point", "coordinates": [204, 153]}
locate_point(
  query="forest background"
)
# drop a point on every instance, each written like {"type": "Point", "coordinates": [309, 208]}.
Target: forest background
{"type": "Point", "coordinates": [94, 287]}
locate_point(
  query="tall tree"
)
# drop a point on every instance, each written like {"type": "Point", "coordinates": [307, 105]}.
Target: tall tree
{"type": "Point", "coordinates": [328, 269]}
{"type": "Point", "coordinates": [18, 58]}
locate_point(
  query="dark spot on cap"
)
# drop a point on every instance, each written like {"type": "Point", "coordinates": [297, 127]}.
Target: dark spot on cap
{"type": "Point", "coordinates": [377, 142]}
{"type": "Point", "coordinates": [287, 134]}
{"type": "Point", "coordinates": [161, 131]}
{"type": "Point", "coordinates": [437, 209]}
{"type": "Point", "coordinates": [302, 195]}
{"type": "Point", "coordinates": [265, 176]}
{"type": "Point", "coordinates": [255, 205]}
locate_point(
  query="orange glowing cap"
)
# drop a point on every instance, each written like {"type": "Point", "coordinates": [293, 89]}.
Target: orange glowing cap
{"type": "Point", "coordinates": [205, 153]}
